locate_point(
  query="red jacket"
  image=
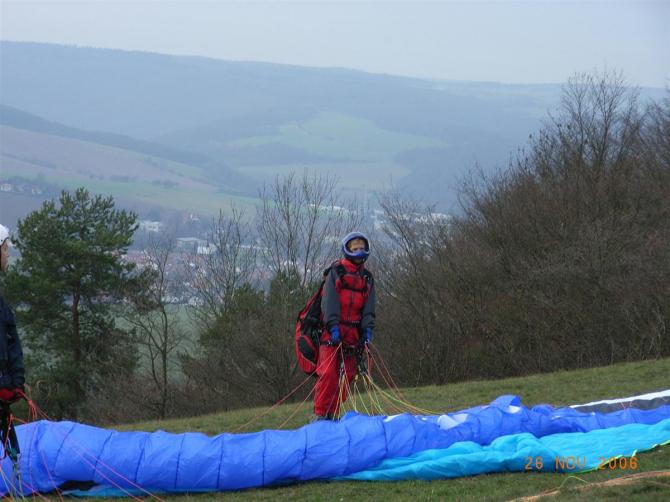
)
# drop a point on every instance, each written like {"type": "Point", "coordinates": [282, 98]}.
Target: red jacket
{"type": "Point", "coordinates": [348, 301]}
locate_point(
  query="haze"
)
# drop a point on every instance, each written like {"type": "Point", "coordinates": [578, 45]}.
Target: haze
{"type": "Point", "coordinates": [504, 41]}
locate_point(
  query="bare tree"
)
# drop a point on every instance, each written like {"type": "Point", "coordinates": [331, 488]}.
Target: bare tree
{"type": "Point", "coordinates": [157, 327]}
{"type": "Point", "coordinates": [217, 275]}
{"type": "Point", "coordinates": [412, 316]}
{"type": "Point", "coordinates": [253, 290]}
{"type": "Point", "coordinates": [300, 221]}
{"type": "Point", "coordinates": [559, 261]}
{"type": "Point", "coordinates": [656, 136]}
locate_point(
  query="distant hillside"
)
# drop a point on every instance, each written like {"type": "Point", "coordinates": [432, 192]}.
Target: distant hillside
{"type": "Point", "coordinates": [19, 119]}
{"type": "Point", "coordinates": [217, 171]}
{"type": "Point", "coordinates": [146, 95]}
{"type": "Point", "coordinates": [264, 119]}
{"type": "Point", "coordinates": [135, 179]}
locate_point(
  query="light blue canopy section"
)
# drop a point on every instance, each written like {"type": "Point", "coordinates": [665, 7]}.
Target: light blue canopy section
{"type": "Point", "coordinates": [566, 452]}
{"type": "Point", "coordinates": [57, 452]}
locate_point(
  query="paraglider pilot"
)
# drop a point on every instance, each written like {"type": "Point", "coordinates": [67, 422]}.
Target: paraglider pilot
{"type": "Point", "coordinates": [12, 373]}
{"type": "Point", "coordinates": [348, 306]}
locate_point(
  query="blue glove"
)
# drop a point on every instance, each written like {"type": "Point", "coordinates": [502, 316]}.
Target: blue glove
{"type": "Point", "coordinates": [368, 335]}
{"type": "Point", "coordinates": [334, 335]}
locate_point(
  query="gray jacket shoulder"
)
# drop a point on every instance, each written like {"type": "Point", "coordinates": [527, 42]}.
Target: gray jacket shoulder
{"type": "Point", "coordinates": [330, 302]}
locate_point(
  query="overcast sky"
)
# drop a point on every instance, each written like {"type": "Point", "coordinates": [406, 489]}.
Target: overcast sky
{"type": "Point", "coordinates": [497, 40]}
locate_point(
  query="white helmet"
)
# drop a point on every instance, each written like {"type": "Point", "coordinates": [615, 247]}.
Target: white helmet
{"type": "Point", "coordinates": [4, 234]}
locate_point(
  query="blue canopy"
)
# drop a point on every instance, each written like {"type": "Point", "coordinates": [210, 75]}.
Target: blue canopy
{"type": "Point", "coordinates": [57, 452]}
{"type": "Point", "coordinates": [566, 452]}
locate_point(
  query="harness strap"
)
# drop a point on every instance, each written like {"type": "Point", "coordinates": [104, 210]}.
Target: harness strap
{"type": "Point", "coordinates": [8, 437]}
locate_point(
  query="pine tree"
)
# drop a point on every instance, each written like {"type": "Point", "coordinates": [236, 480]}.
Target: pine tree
{"type": "Point", "coordinates": [67, 284]}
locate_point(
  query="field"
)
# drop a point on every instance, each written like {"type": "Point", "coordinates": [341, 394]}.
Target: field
{"type": "Point", "coordinates": [362, 153]}
{"type": "Point", "coordinates": [359, 153]}
{"type": "Point", "coordinates": [350, 175]}
{"type": "Point", "coordinates": [556, 388]}
{"type": "Point", "coordinates": [337, 135]}
{"type": "Point", "coordinates": [130, 177]}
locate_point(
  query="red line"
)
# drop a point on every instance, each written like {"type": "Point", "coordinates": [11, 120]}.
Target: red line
{"type": "Point", "coordinates": [392, 384]}
{"type": "Point", "coordinates": [111, 469]}
{"type": "Point", "coordinates": [296, 409]}
{"type": "Point", "coordinates": [278, 403]}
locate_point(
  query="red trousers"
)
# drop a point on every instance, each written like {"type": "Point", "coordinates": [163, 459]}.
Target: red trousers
{"type": "Point", "coordinates": [327, 393]}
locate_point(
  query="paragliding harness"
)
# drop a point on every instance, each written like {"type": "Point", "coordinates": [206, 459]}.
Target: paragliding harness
{"type": "Point", "coordinates": [360, 353]}
{"type": "Point", "coordinates": [10, 445]}
{"type": "Point", "coordinates": [309, 325]}
{"type": "Point", "coordinates": [10, 442]}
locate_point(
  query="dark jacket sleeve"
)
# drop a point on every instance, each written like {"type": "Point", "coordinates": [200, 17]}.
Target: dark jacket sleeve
{"type": "Point", "coordinates": [14, 351]}
{"type": "Point", "coordinates": [368, 313]}
{"type": "Point", "coordinates": [330, 301]}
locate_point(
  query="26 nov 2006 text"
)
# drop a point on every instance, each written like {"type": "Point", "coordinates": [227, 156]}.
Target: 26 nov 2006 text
{"type": "Point", "coordinates": [573, 463]}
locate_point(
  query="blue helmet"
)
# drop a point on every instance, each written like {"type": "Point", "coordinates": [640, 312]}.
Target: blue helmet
{"type": "Point", "coordinates": [361, 254]}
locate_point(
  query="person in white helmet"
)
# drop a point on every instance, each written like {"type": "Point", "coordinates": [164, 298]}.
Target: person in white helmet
{"type": "Point", "coordinates": [12, 371]}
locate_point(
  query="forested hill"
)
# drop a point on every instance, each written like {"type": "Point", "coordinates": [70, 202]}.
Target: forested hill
{"type": "Point", "coordinates": [262, 119]}
{"type": "Point", "coordinates": [147, 95]}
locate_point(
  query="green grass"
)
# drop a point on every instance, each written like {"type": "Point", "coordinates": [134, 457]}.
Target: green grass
{"type": "Point", "coordinates": [343, 136]}
{"type": "Point", "coordinates": [565, 387]}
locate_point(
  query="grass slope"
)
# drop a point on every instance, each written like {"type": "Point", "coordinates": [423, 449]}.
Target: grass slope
{"type": "Point", "coordinates": [369, 152]}
{"type": "Point", "coordinates": [128, 176]}
{"type": "Point", "coordinates": [561, 388]}
{"type": "Point", "coordinates": [19, 119]}
{"type": "Point", "coordinates": [334, 134]}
